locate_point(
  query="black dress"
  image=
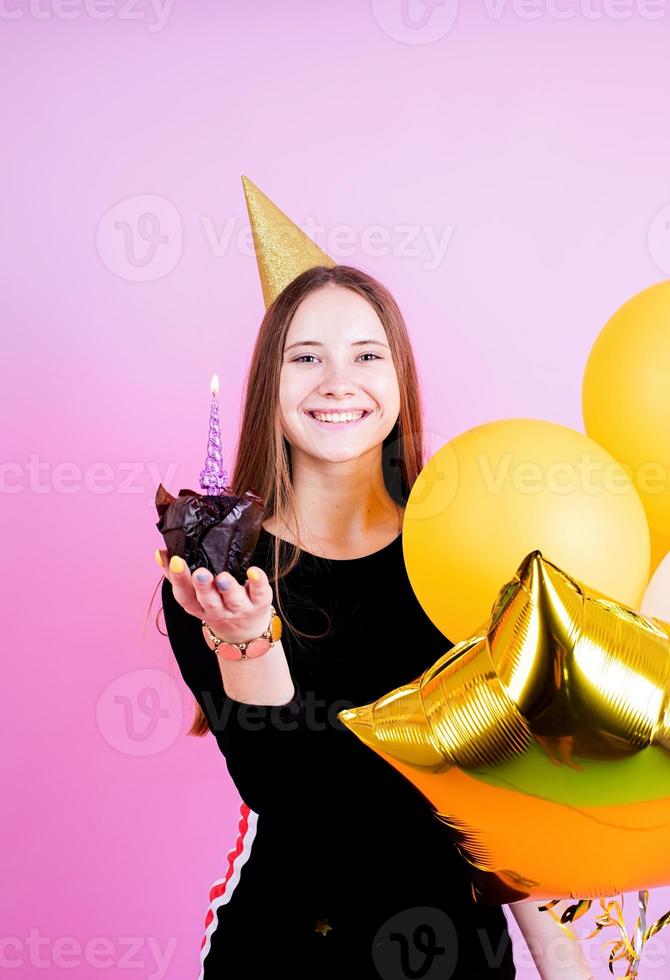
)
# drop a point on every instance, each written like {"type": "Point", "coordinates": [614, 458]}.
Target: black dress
{"type": "Point", "coordinates": [341, 865]}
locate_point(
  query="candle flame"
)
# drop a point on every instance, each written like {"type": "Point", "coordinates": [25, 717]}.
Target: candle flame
{"type": "Point", "coordinates": [214, 386]}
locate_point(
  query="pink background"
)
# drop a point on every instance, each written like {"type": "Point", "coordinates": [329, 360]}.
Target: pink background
{"type": "Point", "coordinates": [534, 145]}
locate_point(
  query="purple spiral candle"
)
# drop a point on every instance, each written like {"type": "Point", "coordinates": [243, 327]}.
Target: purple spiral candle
{"type": "Point", "coordinates": [214, 479]}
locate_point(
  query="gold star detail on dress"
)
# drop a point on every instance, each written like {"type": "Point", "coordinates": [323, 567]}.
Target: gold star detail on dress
{"type": "Point", "coordinates": [322, 926]}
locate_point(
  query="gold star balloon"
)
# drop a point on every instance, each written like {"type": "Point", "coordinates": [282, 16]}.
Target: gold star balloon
{"type": "Point", "coordinates": [543, 741]}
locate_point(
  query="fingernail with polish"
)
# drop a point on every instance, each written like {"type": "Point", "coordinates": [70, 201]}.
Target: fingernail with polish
{"type": "Point", "coordinates": [201, 576]}
{"type": "Point", "coordinates": [177, 564]}
{"type": "Point", "coordinates": [222, 584]}
{"type": "Point", "coordinates": [158, 557]}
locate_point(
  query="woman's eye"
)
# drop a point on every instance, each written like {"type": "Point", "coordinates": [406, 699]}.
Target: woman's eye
{"type": "Point", "coordinates": [298, 359]}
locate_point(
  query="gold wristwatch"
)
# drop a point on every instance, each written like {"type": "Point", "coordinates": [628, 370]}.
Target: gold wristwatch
{"type": "Point", "coordinates": [250, 649]}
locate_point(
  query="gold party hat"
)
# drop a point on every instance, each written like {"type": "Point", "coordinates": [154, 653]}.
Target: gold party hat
{"type": "Point", "coordinates": [283, 250]}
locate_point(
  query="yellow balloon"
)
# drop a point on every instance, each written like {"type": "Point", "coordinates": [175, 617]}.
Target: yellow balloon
{"type": "Point", "coordinates": [626, 396]}
{"type": "Point", "coordinates": [660, 547]}
{"type": "Point", "coordinates": [656, 601]}
{"type": "Point", "coordinates": [504, 489]}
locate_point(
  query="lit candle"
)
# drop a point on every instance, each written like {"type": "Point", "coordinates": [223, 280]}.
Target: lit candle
{"type": "Point", "coordinates": [214, 479]}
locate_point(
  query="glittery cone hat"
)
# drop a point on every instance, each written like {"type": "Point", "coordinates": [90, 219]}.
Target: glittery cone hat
{"type": "Point", "coordinates": [283, 250]}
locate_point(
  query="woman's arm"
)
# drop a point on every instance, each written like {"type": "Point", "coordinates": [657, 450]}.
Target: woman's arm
{"type": "Point", "coordinates": [556, 955]}
{"type": "Point", "coordinates": [259, 740]}
{"type": "Point", "coordinates": [263, 680]}
{"type": "Point", "coordinates": [236, 608]}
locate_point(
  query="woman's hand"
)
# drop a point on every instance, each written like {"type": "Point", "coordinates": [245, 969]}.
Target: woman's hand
{"type": "Point", "coordinates": [234, 612]}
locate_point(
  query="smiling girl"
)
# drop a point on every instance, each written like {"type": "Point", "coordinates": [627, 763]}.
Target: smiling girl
{"type": "Point", "coordinates": [341, 866]}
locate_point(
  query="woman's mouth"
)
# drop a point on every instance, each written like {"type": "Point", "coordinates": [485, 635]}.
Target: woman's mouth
{"type": "Point", "coordinates": [337, 420]}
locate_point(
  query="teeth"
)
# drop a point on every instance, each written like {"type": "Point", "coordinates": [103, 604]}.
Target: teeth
{"type": "Point", "coordinates": [341, 417]}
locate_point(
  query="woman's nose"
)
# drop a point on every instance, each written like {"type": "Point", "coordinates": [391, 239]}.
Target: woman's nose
{"type": "Point", "coordinates": [336, 382]}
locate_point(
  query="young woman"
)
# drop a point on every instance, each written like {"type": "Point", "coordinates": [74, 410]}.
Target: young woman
{"type": "Point", "coordinates": [341, 865]}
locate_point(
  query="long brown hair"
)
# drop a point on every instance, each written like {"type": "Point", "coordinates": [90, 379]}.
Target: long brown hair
{"type": "Point", "coordinates": [262, 454]}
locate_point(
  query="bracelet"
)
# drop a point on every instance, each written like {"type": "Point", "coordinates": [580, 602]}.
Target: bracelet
{"type": "Point", "coordinates": [250, 649]}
